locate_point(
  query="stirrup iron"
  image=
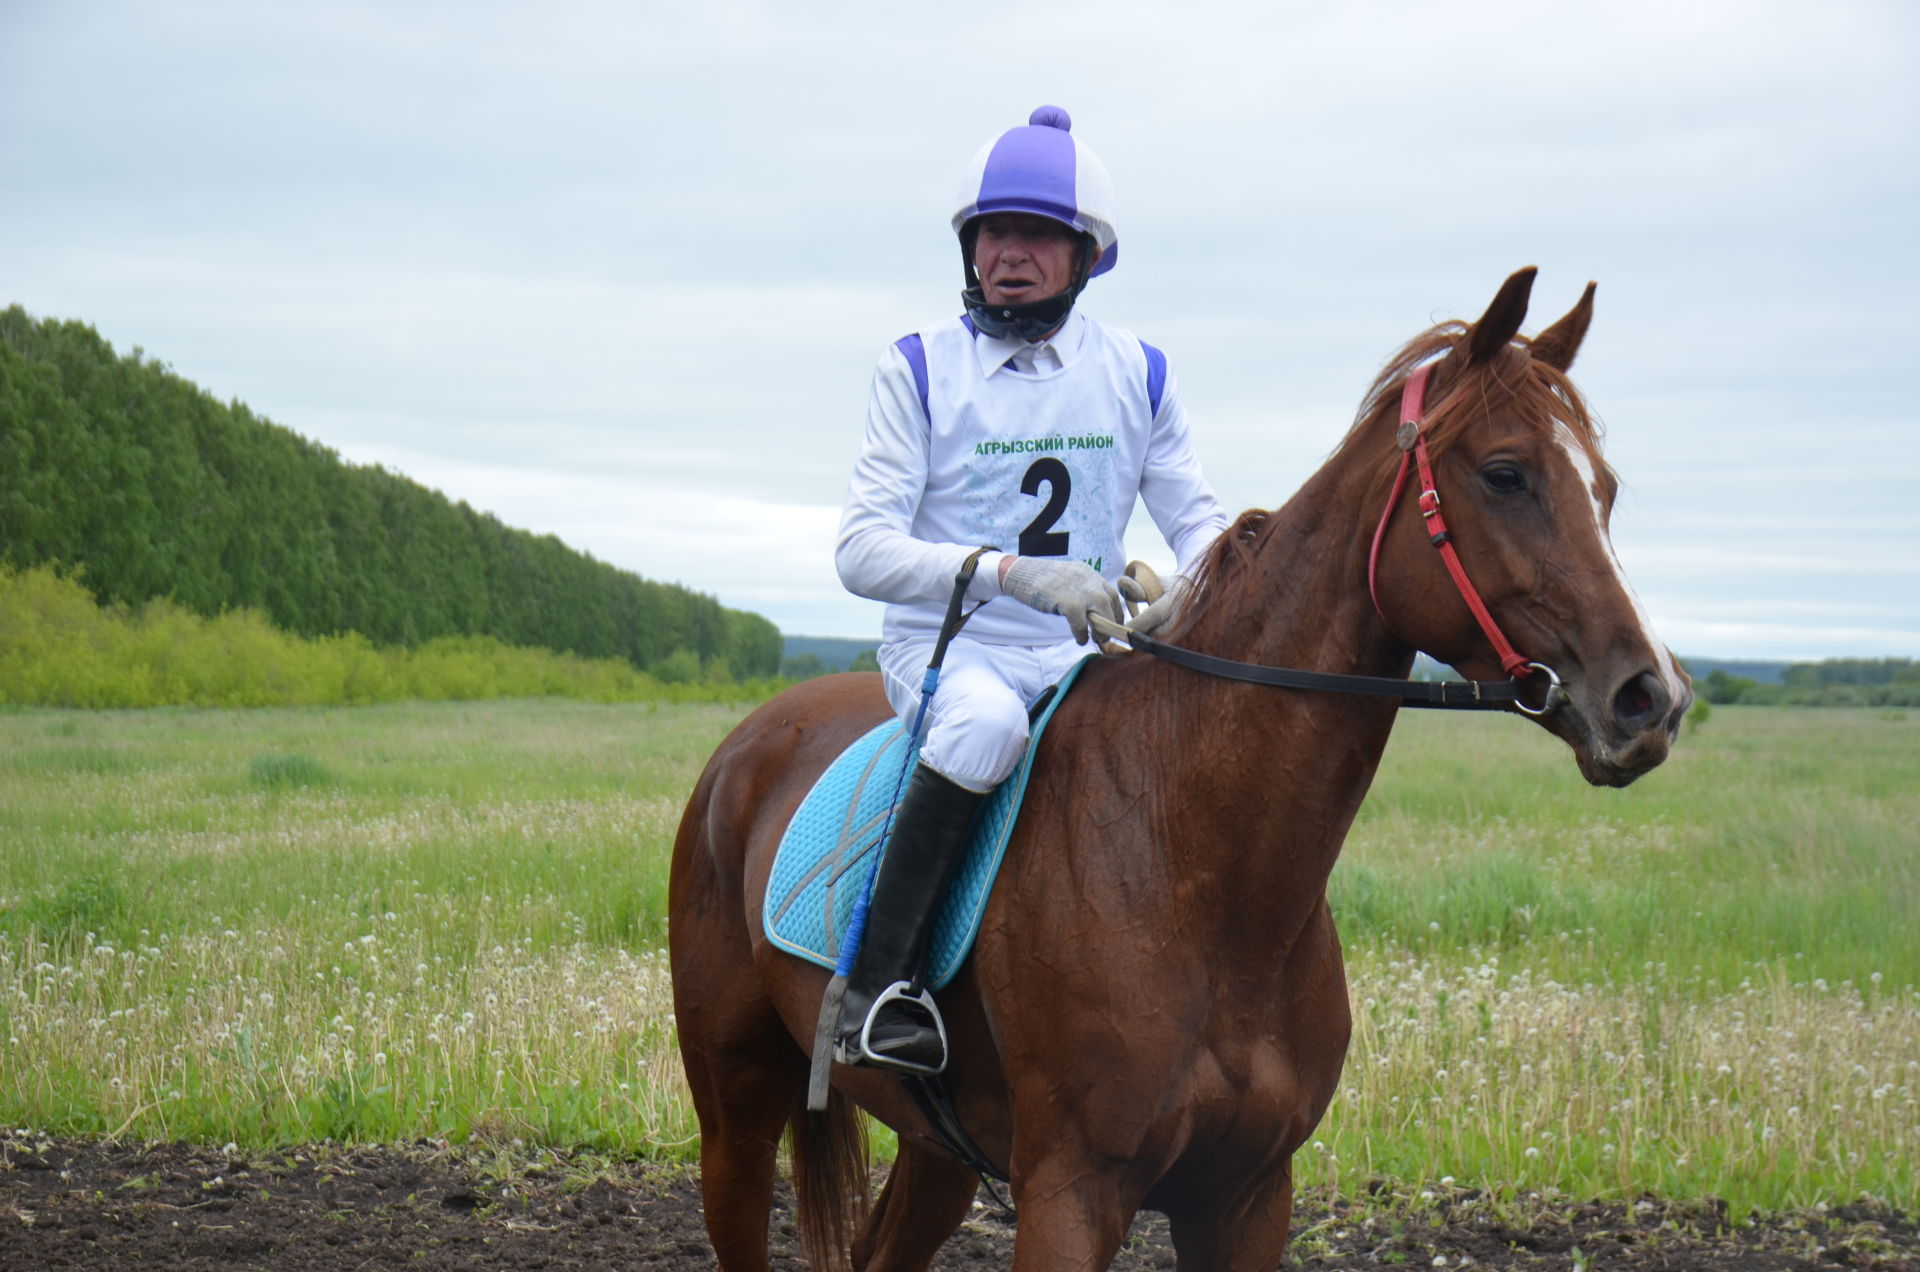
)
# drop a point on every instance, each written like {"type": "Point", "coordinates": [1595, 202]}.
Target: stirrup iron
{"type": "Point", "coordinates": [903, 992]}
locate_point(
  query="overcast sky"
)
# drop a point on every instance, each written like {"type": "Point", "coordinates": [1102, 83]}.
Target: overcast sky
{"type": "Point", "coordinates": [621, 272]}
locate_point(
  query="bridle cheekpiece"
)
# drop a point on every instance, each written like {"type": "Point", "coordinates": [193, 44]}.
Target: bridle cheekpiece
{"type": "Point", "coordinates": [1412, 440]}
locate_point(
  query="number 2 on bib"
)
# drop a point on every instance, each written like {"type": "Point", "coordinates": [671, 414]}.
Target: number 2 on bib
{"type": "Point", "coordinates": [1039, 538]}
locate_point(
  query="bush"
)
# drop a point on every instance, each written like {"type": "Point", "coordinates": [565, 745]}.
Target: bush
{"type": "Point", "coordinates": [59, 648]}
{"type": "Point", "coordinates": [803, 667]}
{"type": "Point", "coordinates": [681, 667]}
{"type": "Point", "coordinates": [1721, 687]}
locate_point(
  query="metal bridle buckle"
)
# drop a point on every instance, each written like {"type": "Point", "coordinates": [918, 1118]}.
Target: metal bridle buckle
{"type": "Point", "coordinates": [1556, 694]}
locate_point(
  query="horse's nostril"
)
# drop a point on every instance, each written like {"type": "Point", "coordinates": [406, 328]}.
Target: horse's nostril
{"type": "Point", "coordinates": [1640, 701]}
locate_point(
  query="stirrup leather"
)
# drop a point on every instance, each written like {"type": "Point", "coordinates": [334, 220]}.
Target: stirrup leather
{"type": "Point", "coordinates": [852, 1050]}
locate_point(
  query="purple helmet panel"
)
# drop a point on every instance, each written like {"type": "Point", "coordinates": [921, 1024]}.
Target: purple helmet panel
{"type": "Point", "coordinates": [1031, 170]}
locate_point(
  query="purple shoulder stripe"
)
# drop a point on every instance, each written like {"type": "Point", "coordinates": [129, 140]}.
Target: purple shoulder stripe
{"type": "Point", "coordinates": [1156, 377]}
{"type": "Point", "coordinates": [915, 352]}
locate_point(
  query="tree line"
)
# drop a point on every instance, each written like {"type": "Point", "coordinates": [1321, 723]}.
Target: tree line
{"type": "Point", "coordinates": [115, 465]}
{"type": "Point", "coordinates": [59, 647]}
{"type": "Point", "coordinates": [1835, 682]}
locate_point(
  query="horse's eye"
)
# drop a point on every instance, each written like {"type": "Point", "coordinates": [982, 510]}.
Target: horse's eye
{"type": "Point", "coordinates": [1504, 478]}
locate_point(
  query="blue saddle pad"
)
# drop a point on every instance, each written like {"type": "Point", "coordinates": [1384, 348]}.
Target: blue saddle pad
{"type": "Point", "coordinates": [820, 870]}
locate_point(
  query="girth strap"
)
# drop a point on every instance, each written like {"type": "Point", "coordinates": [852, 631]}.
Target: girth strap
{"type": "Point", "coordinates": [935, 1101]}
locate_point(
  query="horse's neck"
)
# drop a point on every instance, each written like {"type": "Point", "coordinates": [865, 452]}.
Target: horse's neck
{"type": "Point", "coordinates": [1304, 602]}
{"type": "Point", "coordinates": [1270, 778]}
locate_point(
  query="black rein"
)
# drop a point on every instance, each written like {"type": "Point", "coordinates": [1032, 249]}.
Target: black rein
{"type": "Point", "coordinates": [1456, 695]}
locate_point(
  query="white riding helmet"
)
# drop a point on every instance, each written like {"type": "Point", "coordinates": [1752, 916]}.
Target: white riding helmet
{"type": "Point", "coordinates": [1043, 169]}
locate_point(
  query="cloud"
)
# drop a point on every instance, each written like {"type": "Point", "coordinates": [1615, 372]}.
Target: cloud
{"type": "Point", "coordinates": [752, 553]}
{"type": "Point", "coordinates": [621, 272]}
{"type": "Point", "coordinates": [1786, 642]}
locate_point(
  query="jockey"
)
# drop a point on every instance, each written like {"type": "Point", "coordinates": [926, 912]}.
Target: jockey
{"type": "Point", "coordinates": [1025, 426]}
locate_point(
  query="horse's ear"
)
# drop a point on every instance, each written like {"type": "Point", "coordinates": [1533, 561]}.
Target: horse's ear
{"type": "Point", "coordinates": [1557, 344]}
{"type": "Point", "coordinates": [1501, 323]}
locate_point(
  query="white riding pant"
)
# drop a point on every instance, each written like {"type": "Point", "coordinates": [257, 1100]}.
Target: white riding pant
{"type": "Point", "coordinates": [976, 725]}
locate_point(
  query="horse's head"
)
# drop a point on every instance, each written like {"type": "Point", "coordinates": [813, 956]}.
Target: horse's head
{"type": "Point", "coordinates": [1526, 499]}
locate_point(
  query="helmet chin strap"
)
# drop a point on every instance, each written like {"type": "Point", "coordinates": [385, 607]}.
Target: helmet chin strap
{"type": "Point", "coordinates": [1029, 321]}
{"type": "Point", "coordinates": [1033, 319]}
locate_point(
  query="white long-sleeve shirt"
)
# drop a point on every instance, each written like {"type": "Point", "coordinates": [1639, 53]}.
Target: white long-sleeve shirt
{"type": "Point", "coordinates": [1041, 458]}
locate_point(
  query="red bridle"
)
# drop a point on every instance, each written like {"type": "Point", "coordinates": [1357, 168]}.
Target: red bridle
{"type": "Point", "coordinates": [1413, 450]}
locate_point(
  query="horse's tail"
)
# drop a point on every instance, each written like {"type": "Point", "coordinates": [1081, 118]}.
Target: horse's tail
{"type": "Point", "coordinates": [830, 1190]}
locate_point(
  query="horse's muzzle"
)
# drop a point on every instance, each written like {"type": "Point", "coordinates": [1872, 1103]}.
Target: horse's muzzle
{"type": "Point", "coordinates": [1627, 732]}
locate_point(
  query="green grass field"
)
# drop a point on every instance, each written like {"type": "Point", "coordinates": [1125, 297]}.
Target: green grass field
{"type": "Point", "coordinates": [446, 920]}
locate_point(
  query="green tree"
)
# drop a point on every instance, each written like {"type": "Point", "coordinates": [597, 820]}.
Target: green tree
{"type": "Point", "coordinates": [116, 465]}
{"type": "Point", "coordinates": [802, 667]}
{"type": "Point", "coordinates": [1719, 687]}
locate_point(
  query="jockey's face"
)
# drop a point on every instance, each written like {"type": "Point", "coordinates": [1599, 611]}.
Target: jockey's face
{"type": "Point", "coordinates": [1020, 257]}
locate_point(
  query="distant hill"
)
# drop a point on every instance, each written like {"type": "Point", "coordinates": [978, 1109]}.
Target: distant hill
{"type": "Point", "coordinates": [834, 653]}
{"type": "Point", "coordinates": [154, 488]}
{"type": "Point", "coordinates": [1761, 671]}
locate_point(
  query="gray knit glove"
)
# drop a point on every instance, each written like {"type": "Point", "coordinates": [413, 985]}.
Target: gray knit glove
{"type": "Point", "coordinates": [1157, 610]}
{"type": "Point", "coordinates": [1071, 589]}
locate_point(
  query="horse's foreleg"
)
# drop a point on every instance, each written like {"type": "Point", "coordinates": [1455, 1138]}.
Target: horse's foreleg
{"type": "Point", "coordinates": [1237, 1229]}
{"type": "Point", "coordinates": [1072, 1217]}
{"type": "Point", "coordinates": [926, 1196]}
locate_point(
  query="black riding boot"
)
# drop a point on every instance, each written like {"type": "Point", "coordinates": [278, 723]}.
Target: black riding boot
{"type": "Point", "coordinates": [923, 850]}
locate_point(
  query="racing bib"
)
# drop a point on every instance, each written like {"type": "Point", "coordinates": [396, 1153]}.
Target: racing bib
{"type": "Point", "coordinates": [1050, 496]}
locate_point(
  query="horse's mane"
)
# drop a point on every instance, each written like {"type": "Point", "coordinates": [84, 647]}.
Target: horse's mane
{"type": "Point", "coordinates": [1543, 396]}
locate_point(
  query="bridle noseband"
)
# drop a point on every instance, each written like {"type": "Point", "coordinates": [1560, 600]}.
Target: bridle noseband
{"type": "Point", "coordinates": [1412, 440]}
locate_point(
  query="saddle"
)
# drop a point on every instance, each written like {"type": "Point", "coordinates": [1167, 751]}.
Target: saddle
{"type": "Point", "coordinates": [820, 869]}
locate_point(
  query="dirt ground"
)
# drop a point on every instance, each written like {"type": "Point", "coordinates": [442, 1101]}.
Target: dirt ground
{"type": "Point", "coordinates": [87, 1204]}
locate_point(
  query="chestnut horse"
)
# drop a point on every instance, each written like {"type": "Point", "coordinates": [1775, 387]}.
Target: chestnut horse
{"type": "Point", "coordinates": [1155, 1014]}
